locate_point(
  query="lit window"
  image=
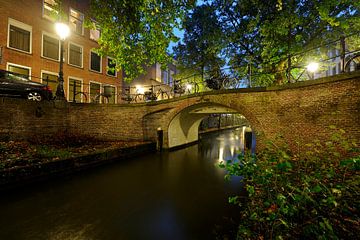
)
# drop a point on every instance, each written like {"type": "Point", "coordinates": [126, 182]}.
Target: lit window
{"type": "Point", "coordinates": [94, 91]}
{"type": "Point", "coordinates": [94, 32]}
{"type": "Point", "coordinates": [111, 67]}
{"type": "Point", "coordinates": [49, 9]}
{"type": "Point", "coordinates": [25, 71]}
{"type": "Point", "coordinates": [75, 55]}
{"type": "Point", "coordinates": [76, 85]}
{"type": "Point", "coordinates": [19, 36]}
{"type": "Point", "coordinates": [95, 62]}
{"type": "Point", "coordinates": [76, 21]}
{"type": "Point", "coordinates": [51, 47]}
{"type": "Point", "coordinates": [50, 79]}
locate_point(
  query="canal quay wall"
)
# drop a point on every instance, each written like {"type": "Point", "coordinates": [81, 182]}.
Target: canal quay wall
{"type": "Point", "coordinates": [300, 112]}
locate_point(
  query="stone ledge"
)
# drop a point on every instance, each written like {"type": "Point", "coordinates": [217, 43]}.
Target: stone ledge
{"type": "Point", "coordinates": [19, 176]}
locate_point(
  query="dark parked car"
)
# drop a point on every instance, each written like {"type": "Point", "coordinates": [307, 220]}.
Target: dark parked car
{"type": "Point", "coordinates": [15, 85]}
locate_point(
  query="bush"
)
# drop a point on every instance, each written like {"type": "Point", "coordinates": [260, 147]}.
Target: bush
{"type": "Point", "coordinates": [308, 195]}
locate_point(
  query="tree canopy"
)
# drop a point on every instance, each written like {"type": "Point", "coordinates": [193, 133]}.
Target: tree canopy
{"type": "Point", "coordinates": [269, 36]}
{"type": "Point", "coordinates": [137, 33]}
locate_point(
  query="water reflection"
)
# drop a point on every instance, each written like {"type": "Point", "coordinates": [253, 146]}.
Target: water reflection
{"type": "Point", "coordinates": [173, 195]}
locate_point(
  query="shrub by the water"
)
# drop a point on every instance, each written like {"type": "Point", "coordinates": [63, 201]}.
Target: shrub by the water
{"type": "Point", "coordinates": [313, 194]}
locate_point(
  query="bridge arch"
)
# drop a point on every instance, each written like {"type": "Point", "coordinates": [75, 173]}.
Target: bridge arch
{"type": "Point", "coordinates": [183, 128]}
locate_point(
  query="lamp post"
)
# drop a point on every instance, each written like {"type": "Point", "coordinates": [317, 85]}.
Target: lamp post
{"type": "Point", "coordinates": [63, 32]}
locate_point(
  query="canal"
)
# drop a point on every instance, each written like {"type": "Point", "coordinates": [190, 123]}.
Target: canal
{"type": "Point", "coordinates": [171, 195]}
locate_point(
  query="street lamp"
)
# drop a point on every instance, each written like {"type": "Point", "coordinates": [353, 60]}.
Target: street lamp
{"type": "Point", "coordinates": [312, 67]}
{"type": "Point", "coordinates": [63, 32]}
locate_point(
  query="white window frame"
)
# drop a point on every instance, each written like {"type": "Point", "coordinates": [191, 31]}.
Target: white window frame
{"type": "Point", "coordinates": [82, 25]}
{"type": "Point", "coordinates": [91, 81]}
{"type": "Point", "coordinates": [23, 26]}
{"type": "Point", "coordinates": [46, 16]}
{"type": "Point", "coordinates": [82, 87]}
{"type": "Point", "coordinates": [18, 65]}
{"type": "Point", "coordinates": [82, 55]}
{"type": "Point", "coordinates": [90, 62]}
{"type": "Point", "coordinates": [96, 29]}
{"type": "Point", "coordinates": [42, 45]}
{"type": "Point", "coordinates": [107, 64]}
{"type": "Point", "coordinates": [48, 72]}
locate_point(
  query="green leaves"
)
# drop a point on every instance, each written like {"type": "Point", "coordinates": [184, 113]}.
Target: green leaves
{"type": "Point", "coordinates": [300, 196]}
{"type": "Point", "coordinates": [137, 33]}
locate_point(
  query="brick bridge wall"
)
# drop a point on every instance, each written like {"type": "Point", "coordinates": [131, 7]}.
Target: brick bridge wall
{"type": "Point", "coordinates": [299, 112]}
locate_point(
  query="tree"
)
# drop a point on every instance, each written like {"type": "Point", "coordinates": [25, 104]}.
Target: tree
{"type": "Point", "coordinates": [137, 33]}
{"type": "Point", "coordinates": [268, 35]}
{"type": "Point", "coordinates": [200, 52]}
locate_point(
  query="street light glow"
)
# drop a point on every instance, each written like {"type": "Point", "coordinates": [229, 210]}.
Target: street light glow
{"type": "Point", "coordinates": [62, 30]}
{"type": "Point", "coordinates": [312, 67]}
{"type": "Point", "coordinates": [140, 89]}
{"type": "Point", "coordinates": [188, 86]}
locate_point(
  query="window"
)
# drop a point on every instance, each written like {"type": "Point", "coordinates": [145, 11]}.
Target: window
{"type": "Point", "coordinates": [109, 91]}
{"type": "Point", "coordinates": [50, 47]}
{"type": "Point", "coordinates": [49, 9]}
{"type": "Point", "coordinates": [75, 55]}
{"type": "Point", "coordinates": [75, 84]}
{"type": "Point", "coordinates": [50, 79]}
{"type": "Point", "coordinates": [76, 21]}
{"type": "Point", "coordinates": [95, 62]}
{"type": "Point", "coordinates": [164, 76]}
{"type": "Point", "coordinates": [22, 70]}
{"type": "Point", "coordinates": [19, 36]}
{"type": "Point", "coordinates": [94, 90]}
{"type": "Point", "coordinates": [94, 32]}
{"type": "Point", "coordinates": [171, 78]}
{"type": "Point", "coordinates": [111, 67]}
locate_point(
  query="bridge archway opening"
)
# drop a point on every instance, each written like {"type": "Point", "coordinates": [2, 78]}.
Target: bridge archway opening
{"type": "Point", "coordinates": [184, 127]}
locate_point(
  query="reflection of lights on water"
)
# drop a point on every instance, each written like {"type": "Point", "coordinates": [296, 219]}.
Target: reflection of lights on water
{"type": "Point", "coordinates": [221, 154]}
{"type": "Point", "coordinates": [232, 150]}
{"type": "Point", "coordinates": [237, 137]}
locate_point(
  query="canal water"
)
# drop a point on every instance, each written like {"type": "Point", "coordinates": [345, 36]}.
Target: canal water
{"type": "Point", "coordinates": [172, 195]}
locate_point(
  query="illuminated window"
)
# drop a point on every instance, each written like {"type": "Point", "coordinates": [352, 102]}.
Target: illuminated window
{"type": "Point", "coordinates": [49, 9]}
{"type": "Point", "coordinates": [94, 32]}
{"type": "Point", "coordinates": [75, 84]}
{"type": "Point", "coordinates": [50, 79]}
{"type": "Point", "coordinates": [76, 21]}
{"type": "Point", "coordinates": [19, 36]}
{"type": "Point", "coordinates": [22, 70]}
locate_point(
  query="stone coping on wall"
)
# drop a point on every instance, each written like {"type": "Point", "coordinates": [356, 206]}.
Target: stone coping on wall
{"type": "Point", "coordinates": [24, 175]}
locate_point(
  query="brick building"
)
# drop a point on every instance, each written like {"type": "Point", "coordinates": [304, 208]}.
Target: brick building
{"type": "Point", "coordinates": [29, 46]}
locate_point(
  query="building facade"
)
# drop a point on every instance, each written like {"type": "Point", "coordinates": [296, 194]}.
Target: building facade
{"type": "Point", "coordinates": [154, 79]}
{"type": "Point", "coordinates": [30, 46]}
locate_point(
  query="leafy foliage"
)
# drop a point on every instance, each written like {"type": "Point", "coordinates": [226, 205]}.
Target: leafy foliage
{"type": "Point", "coordinates": [202, 43]}
{"type": "Point", "coordinates": [268, 35]}
{"type": "Point", "coordinates": [137, 33]}
{"type": "Point", "coordinates": [309, 195]}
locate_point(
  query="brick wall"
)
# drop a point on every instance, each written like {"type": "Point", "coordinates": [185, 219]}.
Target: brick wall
{"type": "Point", "coordinates": [299, 112]}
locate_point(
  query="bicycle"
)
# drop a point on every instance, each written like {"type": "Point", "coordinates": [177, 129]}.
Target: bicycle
{"type": "Point", "coordinates": [129, 97]}
{"type": "Point", "coordinates": [162, 95]}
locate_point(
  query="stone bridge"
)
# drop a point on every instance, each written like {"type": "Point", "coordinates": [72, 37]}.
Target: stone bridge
{"type": "Point", "coordinates": [300, 112]}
